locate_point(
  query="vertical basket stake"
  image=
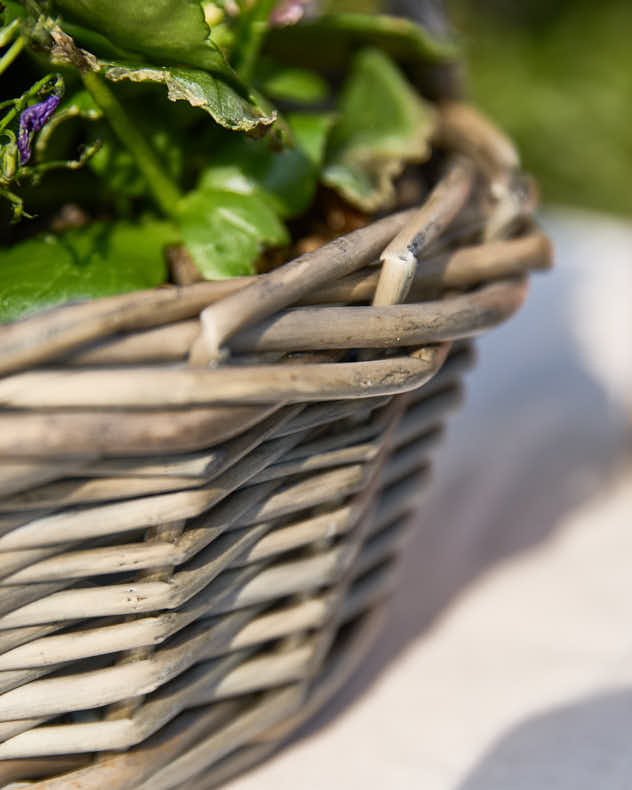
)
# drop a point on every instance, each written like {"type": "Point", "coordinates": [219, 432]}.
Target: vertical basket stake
{"type": "Point", "coordinates": [399, 259]}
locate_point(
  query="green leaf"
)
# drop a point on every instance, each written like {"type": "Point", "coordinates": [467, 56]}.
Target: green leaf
{"type": "Point", "coordinates": [236, 212]}
{"type": "Point", "coordinates": [384, 124]}
{"type": "Point", "coordinates": [284, 83]}
{"type": "Point", "coordinates": [311, 131]}
{"type": "Point", "coordinates": [168, 31]}
{"type": "Point", "coordinates": [199, 89]}
{"type": "Point", "coordinates": [116, 167]}
{"type": "Point", "coordinates": [100, 259]}
{"type": "Point", "coordinates": [11, 10]}
{"type": "Point", "coordinates": [332, 39]}
{"type": "Point", "coordinates": [225, 232]}
{"type": "Point", "coordinates": [286, 180]}
{"type": "Point", "coordinates": [95, 43]}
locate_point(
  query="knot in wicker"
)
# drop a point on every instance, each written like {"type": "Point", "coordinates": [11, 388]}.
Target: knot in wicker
{"type": "Point", "coordinates": [204, 489]}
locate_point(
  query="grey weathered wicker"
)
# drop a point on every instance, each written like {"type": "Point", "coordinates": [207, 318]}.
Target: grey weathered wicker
{"type": "Point", "coordinates": [204, 489]}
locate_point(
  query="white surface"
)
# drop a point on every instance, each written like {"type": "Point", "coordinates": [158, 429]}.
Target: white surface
{"type": "Point", "coordinates": [507, 660]}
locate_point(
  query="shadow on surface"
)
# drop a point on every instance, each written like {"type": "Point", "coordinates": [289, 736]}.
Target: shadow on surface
{"type": "Point", "coordinates": [580, 746]}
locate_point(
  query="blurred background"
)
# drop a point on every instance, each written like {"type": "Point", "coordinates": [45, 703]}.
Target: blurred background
{"type": "Point", "coordinates": [555, 74]}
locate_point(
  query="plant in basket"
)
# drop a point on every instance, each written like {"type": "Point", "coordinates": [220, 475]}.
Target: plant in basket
{"type": "Point", "coordinates": [193, 556]}
{"type": "Point", "coordinates": [220, 136]}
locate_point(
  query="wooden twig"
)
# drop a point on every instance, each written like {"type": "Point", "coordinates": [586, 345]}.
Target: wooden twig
{"type": "Point", "coordinates": [148, 388]}
{"type": "Point", "coordinates": [45, 336]}
{"type": "Point", "coordinates": [383, 327]}
{"type": "Point", "coordinates": [399, 259]}
{"type": "Point", "coordinates": [462, 268]}
{"type": "Point", "coordinates": [111, 432]}
{"type": "Point", "coordinates": [463, 128]}
{"type": "Point", "coordinates": [285, 285]}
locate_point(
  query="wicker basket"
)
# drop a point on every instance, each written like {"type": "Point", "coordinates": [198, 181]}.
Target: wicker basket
{"type": "Point", "coordinates": [204, 493]}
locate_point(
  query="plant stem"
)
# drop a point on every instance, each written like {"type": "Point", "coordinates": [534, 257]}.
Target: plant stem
{"type": "Point", "coordinates": [252, 36]}
{"type": "Point", "coordinates": [165, 191]}
{"type": "Point", "coordinates": [11, 54]}
{"type": "Point", "coordinates": [9, 32]}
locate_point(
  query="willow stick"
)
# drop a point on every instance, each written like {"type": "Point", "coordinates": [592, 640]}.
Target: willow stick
{"type": "Point", "coordinates": [399, 259]}
{"type": "Point", "coordinates": [158, 387]}
{"type": "Point", "coordinates": [407, 325]}
{"type": "Point", "coordinates": [287, 284]}
{"type": "Point", "coordinates": [462, 268]}
{"type": "Point", "coordinates": [463, 128]}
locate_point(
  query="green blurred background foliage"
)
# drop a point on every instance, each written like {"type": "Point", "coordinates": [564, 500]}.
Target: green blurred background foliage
{"type": "Point", "coordinates": [557, 76]}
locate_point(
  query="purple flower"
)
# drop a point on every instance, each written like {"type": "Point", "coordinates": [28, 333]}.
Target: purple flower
{"type": "Point", "coordinates": [31, 121]}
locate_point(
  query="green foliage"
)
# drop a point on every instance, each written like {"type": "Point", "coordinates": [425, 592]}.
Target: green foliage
{"type": "Point", "coordinates": [166, 31]}
{"type": "Point", "coordinates": [225, 231]}
{"type": "Point", "coordinates": [78, 106]}
{"type": "Point", "coordinates": [200, 89]}
{"type": "Point", "coordinates": [558, 80]}
{"type": "Point", "coordinates": [252, 27]}
{"type": "Point", "coordinates": [383, 126]}
{"type": "Point", "coordinates": [329, 41]}
{"type": "Point", "coordinates": [311, 132]}
{"type": "Point", "coordinates": [16, 142]}
{"type": "Point", "coordinates": [98, 260]}
{"type": "Point", "coordinates": [285, 179]}
{"type": "Point", "coordinates": [116, 168]}
{"type": "Point", "coordinates": [243, 196]}
{"type": "Point", "coordinates": [171, 108]}
{"type": "Point", "coordinates": [285, 83]}
{"type": "Point", "coordinates": [11, 11]}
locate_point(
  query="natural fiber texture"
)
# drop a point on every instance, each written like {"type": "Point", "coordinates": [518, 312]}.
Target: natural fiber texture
{"type": "Point", "coordinates": [203, 490]}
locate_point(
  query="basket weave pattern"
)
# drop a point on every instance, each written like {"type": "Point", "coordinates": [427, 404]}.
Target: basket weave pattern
{"type": "Point", "coordinates": [204, 490]}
